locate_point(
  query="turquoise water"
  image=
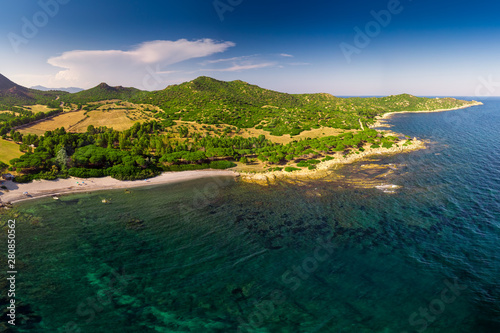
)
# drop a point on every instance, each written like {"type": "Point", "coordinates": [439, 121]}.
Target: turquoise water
{"type": "Point", "coordinates": [215, 255]}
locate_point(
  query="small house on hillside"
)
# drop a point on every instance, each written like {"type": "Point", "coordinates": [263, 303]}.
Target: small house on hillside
{"type": "Point", "coordinates": [8, 176]}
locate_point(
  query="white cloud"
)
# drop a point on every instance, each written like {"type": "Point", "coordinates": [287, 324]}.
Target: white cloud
{"type": "Point", "coordinates": [139, 67]}
{"type": "Point", "coordinates": [286, 55]}
{"type": "Point", "coordinates": [238, 64]}
{"type": "Point", "coordinates": [238, 68]}
{"type": "Point", "coordinates": [227, 59]}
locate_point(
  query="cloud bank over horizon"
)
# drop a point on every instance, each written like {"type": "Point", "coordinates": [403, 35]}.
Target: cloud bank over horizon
{"type": "Point", "coordinates": [140, 67]}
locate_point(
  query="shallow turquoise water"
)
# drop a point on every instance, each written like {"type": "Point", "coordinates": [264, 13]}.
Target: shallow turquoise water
{"type": "Point", "coordinates": [218, 256]}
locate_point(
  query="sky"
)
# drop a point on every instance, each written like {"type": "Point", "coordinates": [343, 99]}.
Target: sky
{"type": "Point", "coordinates": [345, 48]}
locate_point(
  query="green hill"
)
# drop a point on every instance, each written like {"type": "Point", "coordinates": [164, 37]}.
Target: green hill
{"type": "Point", "coordinates": [237, 103]}
{"type": "Point", "coordinates": [100, 93]}
{"type": "Point", "coordinates": [209, 101]}
{"type": "Point", "coordinates": [15, 94]}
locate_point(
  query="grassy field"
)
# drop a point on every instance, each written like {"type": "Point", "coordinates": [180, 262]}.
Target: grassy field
{"type": "Point", "coordinates": [286, 138]}
{"type": "Point", "coordinates": [252, 132]}
{"type": "Point", "coordinates": [65, 120]}
{"type": "Point", "coordinates": [38, 108]}
{"type": "Point", "coordinates": [118, 119]}
{"type": "Point", "coordinates": [9, 112]}
{"type": "Point", "coordinates": [8, 151]}
{"type": "Point", "coordinates": [119, 116]}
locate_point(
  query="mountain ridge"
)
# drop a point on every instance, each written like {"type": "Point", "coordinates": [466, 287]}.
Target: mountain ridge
{"type": "Point", "coordinates": [12, 93]}
{"type": "Point", "coordinates": [70, 90]}
{"type": "Point", "coordinates": [6, 84]}
{"type": "Point", "coordinates": [206, 100]}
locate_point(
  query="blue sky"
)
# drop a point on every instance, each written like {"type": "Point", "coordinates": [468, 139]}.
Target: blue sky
{"type": "Point", "coordinates": [421, 47]}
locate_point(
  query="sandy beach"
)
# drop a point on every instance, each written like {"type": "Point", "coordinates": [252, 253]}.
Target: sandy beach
{"type": "Point", "coordinates": [379, 119]}
{"type": "Point", "coordinates": [44, 188]}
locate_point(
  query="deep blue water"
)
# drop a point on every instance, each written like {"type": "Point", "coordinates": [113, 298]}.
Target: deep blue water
{"type": "Point", "coordinates": [217, 255]}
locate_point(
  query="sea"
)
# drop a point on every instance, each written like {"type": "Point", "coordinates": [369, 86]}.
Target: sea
{"type": "Point", "coordinates": [403, 243]}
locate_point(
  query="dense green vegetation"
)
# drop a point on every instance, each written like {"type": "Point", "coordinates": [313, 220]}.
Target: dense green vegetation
{"type": "Point", "coordinates": [209, 101]}
{"type": "Point", "coordinates": [138, 153]}
{"type": "Point", "coordinates": [146, 149]}
{"type": "Point", "coordinates": [100, 93]}
{"type": "Point", "coordinates": [237, 103]}
{"type": "Point", "coordinates": [26, 96]}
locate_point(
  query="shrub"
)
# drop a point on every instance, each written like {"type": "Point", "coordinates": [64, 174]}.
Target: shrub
{"type": "Point", "coordinates": [86, 173]}
{"type": "Point", "coordinates": [186, 167]}
{"type": "Point", "coordinates": [45, 175]}
{"type": "Point", "coordinates": [290, 169]}
{"type": "Point", "coordinates": [127, 172]}
{"type": "Point", "coordinates": [221, 165]}
{"type": "Point", "coordinates": [340, 147]}
{"type": "Point", "coordinates": [311, 167]}
{"type": "Point", "coordinates": [407, 143]}
{"type": "Point", "coordinates": [23, 179]}
{"type": "Point", "coordinates": [387, 144]}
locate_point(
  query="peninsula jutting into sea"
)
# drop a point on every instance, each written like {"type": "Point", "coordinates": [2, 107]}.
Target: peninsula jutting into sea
{"type": "Point", "coordinates": [130, 134]}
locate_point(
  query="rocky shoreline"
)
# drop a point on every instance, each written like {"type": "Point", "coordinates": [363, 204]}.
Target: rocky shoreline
{"type": "Point", "coordinates": [325, 168]}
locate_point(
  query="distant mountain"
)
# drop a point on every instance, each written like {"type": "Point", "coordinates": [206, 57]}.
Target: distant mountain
{"type": "Point", "coordinates": [14, 94]}
{"type": "Point", "coordinates": [70, 90]}
{"type": "Point", "coordinates": [100, 93]}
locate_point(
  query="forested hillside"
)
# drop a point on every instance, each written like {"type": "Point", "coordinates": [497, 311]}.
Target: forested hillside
{"type": "Point", "coordinates": [100, 93]}
{"type": "Point", "coordinates": [12, 94]}
{"type": "Point", "coordinates": [209, 101]}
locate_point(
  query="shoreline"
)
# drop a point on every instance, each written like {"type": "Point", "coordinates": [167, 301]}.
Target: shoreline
{"type": "Point", "coordinates": [379, 119]}
{"type": "Point", "coordinates": [38, 189]}
{"type": "Point", "coordinates": [323, 168]}
{"type": "Point", "coordinates": [46, 188]}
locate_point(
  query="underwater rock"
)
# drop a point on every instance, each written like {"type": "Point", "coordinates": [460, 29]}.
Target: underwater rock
{"type": "Point", "coordinates": [135, 224]}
